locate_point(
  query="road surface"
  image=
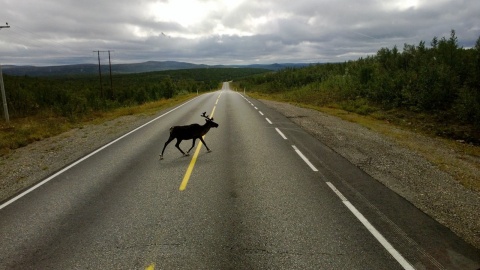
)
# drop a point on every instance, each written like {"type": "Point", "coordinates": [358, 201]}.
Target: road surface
{"type": "Point", "coordinates": [268, 196]}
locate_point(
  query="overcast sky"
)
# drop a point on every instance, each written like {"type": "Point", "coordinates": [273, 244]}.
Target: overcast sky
{"type": "Point", "coordinates": [54, 32]}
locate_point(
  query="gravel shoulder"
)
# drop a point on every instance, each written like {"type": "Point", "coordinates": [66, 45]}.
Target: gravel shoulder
{"type": "Point", "coordinates": [28, 165]}
{"type": "Point", "coordinates": [402, 170]}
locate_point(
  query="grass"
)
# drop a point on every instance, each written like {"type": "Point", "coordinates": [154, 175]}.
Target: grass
{"type": "Point", "coordinates": [23, 131]}
{"type": "Point", "coordinates": [149, 108]}
{"type": "Point", "coordinates": [463, 163]}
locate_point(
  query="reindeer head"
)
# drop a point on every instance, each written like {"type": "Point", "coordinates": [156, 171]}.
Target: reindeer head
{"type": "Point", "coordinates": [209, 120]}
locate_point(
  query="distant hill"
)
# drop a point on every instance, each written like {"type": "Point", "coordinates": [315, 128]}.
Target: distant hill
{"type": "Point", "coordinates": [275, 66]}
{"type": "Point", "coordinates": [89, 69]}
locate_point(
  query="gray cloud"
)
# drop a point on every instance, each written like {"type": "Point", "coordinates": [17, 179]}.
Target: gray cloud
{"type": "Point", "coordinates": [49, 32]}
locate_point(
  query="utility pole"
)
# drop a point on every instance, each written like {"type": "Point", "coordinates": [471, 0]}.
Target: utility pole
{"type": "Point", "coordinates": [111, 81]}
{"type": "Point", "coordinates": [4, 97]}
{"type": "Point", "coordinates": [100, 73]}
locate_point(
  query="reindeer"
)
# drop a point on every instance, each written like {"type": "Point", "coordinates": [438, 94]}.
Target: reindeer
{"type": "Point", "coordinates": [193, 131]}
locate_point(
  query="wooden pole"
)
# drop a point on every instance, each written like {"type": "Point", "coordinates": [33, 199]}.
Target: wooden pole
{"type": "Point", "coordinates": [4, 98]}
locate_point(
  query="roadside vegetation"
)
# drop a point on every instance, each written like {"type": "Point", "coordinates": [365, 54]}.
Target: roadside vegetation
{"type": "Point", "coordinates": [41, 107]}
{"type": "Point", "coordinates": [433, 89]}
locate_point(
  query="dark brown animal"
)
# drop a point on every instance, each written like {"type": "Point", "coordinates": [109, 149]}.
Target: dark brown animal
{"type": "Point", "coordinates": [193, 131]}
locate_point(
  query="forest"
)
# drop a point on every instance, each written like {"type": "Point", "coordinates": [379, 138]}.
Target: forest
{"type": "Point", "coordinates": [74, 97]}
{"type": "Point", "coordinates": [437, 84]}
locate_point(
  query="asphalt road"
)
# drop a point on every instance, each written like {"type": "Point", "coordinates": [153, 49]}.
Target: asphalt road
{"type": "Point", "coordinates": [268, 196]}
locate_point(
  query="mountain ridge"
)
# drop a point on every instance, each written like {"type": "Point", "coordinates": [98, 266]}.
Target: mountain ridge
{"type": "Point", "coordinates": [148, 66]}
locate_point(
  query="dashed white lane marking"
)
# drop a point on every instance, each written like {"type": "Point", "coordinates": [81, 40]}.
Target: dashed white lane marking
{"type": "Point", "coordinates": [400, 259]}
{"type": "Point", "coordinates": [256, 108]}
{"type": "Point", "coordinates": [339, 194]}
{"type": "Point", "coordinates": [305, 159]}
{"type": "Point", "coordinates": [281, 133]}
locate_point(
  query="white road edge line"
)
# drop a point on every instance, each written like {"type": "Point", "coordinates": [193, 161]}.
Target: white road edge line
{"type": "Point", "coordinates": [384, 242]}
{"type": "Point", "coordinates": [84, 158]}
{"type": "Point", "coordinates": [305, 159]}
{"type": "Point", "coordinates": [268, 120]}
{"type": "Point", "coordinates": [281, 133]}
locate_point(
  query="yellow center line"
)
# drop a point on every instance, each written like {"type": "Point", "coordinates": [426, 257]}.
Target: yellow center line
{"type": "Point", "coordinates": [184, 183]}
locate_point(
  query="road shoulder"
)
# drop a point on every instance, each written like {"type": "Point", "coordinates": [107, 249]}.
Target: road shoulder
{"type": "Point", "coordinates": [402, 170]}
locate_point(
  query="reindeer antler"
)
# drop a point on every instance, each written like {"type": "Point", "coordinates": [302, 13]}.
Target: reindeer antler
{"type": "Point", "coordinates": [206, 116]}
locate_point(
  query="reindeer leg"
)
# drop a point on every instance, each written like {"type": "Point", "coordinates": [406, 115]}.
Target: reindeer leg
{"type": "Point", "coordinates": [193, 144]}
{"type": "Point", "coordinates": [178, 146]}
{"type": "Point", "coordinates": [166, 143]}
{"type": "Point", "coordinates": [208, 149]}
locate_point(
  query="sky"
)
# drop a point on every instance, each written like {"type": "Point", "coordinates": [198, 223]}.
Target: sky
{"type": "Point", "coordinates": [59, 32]}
